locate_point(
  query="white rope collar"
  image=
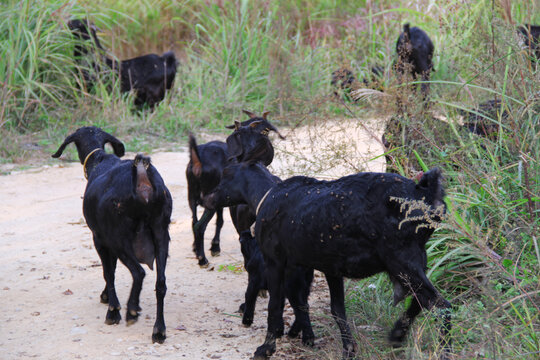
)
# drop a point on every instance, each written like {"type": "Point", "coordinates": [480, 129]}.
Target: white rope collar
{"type": "Point", "coordinates": [261, 202]}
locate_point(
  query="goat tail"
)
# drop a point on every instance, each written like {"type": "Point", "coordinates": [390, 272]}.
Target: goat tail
{"type": "Point", "coordinates": [196, 165]}
{"type": "Point", "coordinates": [407, 29]}
{"type": "Point", "coordinates": [142, 185]}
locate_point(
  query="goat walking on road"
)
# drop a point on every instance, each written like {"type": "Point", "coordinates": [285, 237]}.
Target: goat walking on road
{"type": "Point", "coordinates": [249, 183]}
{"type": "Point", "coordinates": [203, 173]}
{"type": "Point", "coordinates": [356, 226]}
{"type": "Point", "coordinates": [128, 209]}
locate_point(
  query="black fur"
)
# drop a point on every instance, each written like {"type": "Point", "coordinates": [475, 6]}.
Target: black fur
{"type": "Point", "coordinates": [128, 208]}
{"type": "Point", "coordinates": [148, 75]}
{"type": "Point", "coordinates": [203, 174]}
{"type": "Point", "coordinates": [247, 183]}
{"type": "Point", "coordinates": [354, 227]}
{"type": "Point", "coordinates": [415, 54]}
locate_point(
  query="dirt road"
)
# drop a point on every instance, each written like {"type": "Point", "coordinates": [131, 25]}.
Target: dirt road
{"type": "Point", "coordinates": [51, 277]}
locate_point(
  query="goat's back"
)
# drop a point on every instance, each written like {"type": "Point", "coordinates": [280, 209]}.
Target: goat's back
{"type": "Point", "coordinates": [213, 156]}
{"type": "Point", "coordinates": [110, 198]}
{"type": "Point", "coordinates": [343, 226]}
{"type": "Point", "coordinates": [417, 48]}
{"type": "Point", "coordinates": [150, 75]}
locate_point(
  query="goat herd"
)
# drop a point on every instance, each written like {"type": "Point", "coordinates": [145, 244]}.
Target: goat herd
{"type": "Point", "coordinates": [355, 226]}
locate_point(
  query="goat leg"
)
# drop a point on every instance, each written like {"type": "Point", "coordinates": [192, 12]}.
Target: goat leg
{"type": "Point", "coordinates": [163, 239]}
{"type": "Point", "coordinates": [198, 230]}
{"type": "Point", "coordinates": [251, 299]}
{"type": "Point", "coordinates": [108, 262]}
{"type": "Point", "coordinates": [215, 250]}
{"type": "Point", "coordinates": [137, 272]}
{"type": "Point", "coordinates": [337, 306]}
{"type": "Point", "coordinates": [275, 277]}
{"type": "Point", "coordinates": [297, 287]}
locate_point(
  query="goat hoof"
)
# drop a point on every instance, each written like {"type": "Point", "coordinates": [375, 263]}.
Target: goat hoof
{"type": "Point", "coordinates": [113, 317]}
{"type": "Point", "coordinates": [396, 337]}
{"type": "Point", "coordinates": [247, 321]}
{"type": "Point", "coordinates": [158, 337]}
{"type": "Point", "coordinates": [203, 263]}
{"type": "Point", "coordinates": [294, 331]}
{"type": "Point", "coordinates": [131, 317]}
{"type": "Point", "coordinates": [264, 351]}
{"type": "Point", "coordinates": [293, 334]}
{"type": "Point", "coordinates": [308, 341]}
{"type": "Point", "coordinates": [104, 298]}
{"type": "Point", "coordinates": [215, 252]}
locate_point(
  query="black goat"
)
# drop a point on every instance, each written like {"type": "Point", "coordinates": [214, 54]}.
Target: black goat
{"type": "Point", "coordinates": [206, 164]}
{"type": "Point", "coordinates": [355, 226]}
{"type": "Point", "coordinates": [263, 125]}
{"type": "Point", "coordinates": [148, 75]}
{"type": "Point", "coordinates": [415, 53]}
{"type": "Point", "coordinates": [128, 209]}
{"type": "Point", "coordinates": [248, 183]}
{"type": "Point", "coordinates": [531, 37]}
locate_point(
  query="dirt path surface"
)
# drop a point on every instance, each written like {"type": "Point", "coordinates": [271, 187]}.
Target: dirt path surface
{"type": "Point", "coordinates": [51, 278]}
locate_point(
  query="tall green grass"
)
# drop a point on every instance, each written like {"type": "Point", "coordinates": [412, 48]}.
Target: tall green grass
{"type": "Point", "coordinates": [34, 64]}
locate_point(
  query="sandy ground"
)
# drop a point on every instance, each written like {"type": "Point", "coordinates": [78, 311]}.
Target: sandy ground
{"type": "Point", "coordinates": [51, 276]}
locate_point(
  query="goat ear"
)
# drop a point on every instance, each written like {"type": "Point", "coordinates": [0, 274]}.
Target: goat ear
{"type": "Point", "coordinates": [116, 144]}
{"type": "Point", "coordinates": [249, 113]}
{"type": "Point", "coordinates": [255, 123]}
{"type": "Point", "coordinates": [273, 128]}
{"type": "Point", "coordinates": [67, 141]}
{"type": "Point", "coordinates": [234, 126]}
{"type": "Point", "coordinates": [265, 114]}
{"type": "Point", "coordinates": [234, 146]}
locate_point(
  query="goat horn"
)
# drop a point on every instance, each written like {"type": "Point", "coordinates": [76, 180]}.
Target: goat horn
{"type": "Point", "coordinates": [247, 112]}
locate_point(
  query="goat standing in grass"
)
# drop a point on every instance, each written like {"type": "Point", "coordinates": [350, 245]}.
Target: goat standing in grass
{"type": "Point", "coordinates": [415, 55]}
{"type": "Point", "coordinates": [356, 226]}
{"type": "Point", "coordinates": [128, 209]}
{"type": "Point", "coordinates": [148, 75]}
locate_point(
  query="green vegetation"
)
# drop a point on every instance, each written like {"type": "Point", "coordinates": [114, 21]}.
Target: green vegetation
{"type": "Point", "coordinates": [279, 56]}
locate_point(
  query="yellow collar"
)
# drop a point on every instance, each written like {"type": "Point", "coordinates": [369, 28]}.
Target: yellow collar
{"type": "Point", "coordinates": [262, 200]}
{"type": "Point", "coordinates": [86, 160]}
